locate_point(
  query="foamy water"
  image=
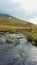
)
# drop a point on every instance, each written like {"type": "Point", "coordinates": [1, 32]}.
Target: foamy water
{"type": "Point", "coordinates": [22, 54]}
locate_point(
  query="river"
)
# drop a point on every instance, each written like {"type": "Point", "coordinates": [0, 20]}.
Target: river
{"type": "Point", "coordinates": [22, 54]}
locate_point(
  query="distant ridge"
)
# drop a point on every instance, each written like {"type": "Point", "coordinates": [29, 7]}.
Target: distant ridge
{"type": "Point", "coordinates": [6, 15]}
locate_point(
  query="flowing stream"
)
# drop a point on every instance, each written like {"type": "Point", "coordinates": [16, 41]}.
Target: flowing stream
{"type": "Point", "coordinates": [22, 54]}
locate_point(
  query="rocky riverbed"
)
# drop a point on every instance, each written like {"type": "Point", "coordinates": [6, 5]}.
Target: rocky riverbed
{"type": "Point", "coordinates": [21, 54]}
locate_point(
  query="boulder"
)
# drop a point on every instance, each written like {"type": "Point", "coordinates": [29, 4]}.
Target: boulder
{"type": "Point", "coordinates": [16, 42]}
{"type": "Point", "coordinates": [29, 38]}
{"type": "Point", "coordinates": [9, 40]}
{"type": "Point", "coordinates": [34, 42]}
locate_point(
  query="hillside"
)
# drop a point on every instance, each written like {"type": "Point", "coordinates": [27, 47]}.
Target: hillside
{"type": "Point", "coordinates": [12, 21]}
{"type": "Point", "coordinates": [9, 20]}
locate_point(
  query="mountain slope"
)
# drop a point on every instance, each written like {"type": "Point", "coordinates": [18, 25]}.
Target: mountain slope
{"type": "Point", "coordinates": [8, 20]}
{"type": "Point", "coordinates": [12, 21]}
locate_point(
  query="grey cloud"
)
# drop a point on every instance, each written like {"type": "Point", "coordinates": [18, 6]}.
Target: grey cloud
{"type": "Point", "coordinates": [15, 9]}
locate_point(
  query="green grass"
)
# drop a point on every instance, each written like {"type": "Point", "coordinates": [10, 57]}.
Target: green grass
{"type": "Point", "coordinates": [34, 34]}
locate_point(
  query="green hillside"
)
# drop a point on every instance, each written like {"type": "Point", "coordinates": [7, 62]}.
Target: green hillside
{"type": "Point", "coordinates": [8, 20]}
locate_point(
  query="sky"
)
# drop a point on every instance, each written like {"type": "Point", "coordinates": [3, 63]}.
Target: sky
{"type": "Point", "coordinates": [22, 9]}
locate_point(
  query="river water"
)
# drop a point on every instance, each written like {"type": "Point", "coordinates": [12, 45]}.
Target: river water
{"type": "Point", "coordinates": [22, 54]}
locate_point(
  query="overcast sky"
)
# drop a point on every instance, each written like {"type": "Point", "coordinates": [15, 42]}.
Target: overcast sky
{"type": "Point", "coordinates": [23, 9]}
